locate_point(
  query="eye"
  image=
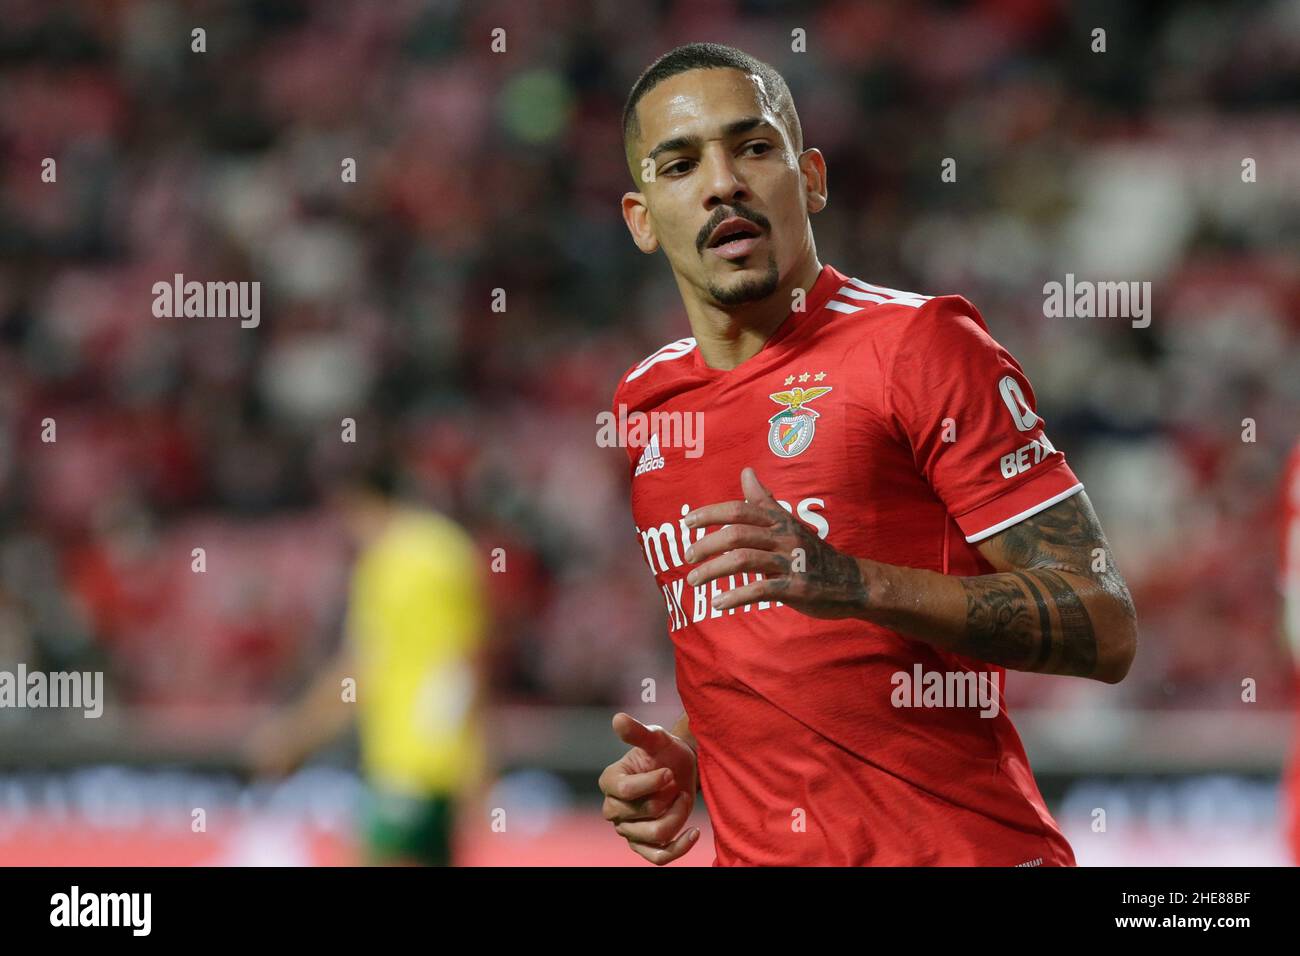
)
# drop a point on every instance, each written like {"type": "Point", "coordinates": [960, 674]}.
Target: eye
{"type": "Point", "coordinates": [675, 168]}
{"type": "Point", "coordinates": [761, 145]}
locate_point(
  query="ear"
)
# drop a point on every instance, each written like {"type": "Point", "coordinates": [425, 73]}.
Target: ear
{"type": "Point", "coordinates": [812, 164]}
{"type": "Point", "coordinates": [637, 217]}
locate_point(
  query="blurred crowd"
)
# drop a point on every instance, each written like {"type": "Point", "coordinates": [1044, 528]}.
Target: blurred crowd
{"type": "Point", "coordinates": [480, 170]}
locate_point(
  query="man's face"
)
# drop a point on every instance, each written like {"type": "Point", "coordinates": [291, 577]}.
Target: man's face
{"type": "Point", "coordinates": [728, 202]}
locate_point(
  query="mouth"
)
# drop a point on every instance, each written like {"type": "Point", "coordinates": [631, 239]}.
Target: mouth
{"type": "Point", "coordinates": [734, 238]}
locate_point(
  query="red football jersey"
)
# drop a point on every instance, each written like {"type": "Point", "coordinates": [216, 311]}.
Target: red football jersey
{"type": "Point", "coordinates": [894, 426]}
{"type": "Point", "coordinates": [1289, 584]}
{"type": "Point", "coordinates": [1289, 578]}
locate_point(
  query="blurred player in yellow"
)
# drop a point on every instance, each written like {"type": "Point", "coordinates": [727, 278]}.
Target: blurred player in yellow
{"type": "Point", "coordinates": [410, 670]}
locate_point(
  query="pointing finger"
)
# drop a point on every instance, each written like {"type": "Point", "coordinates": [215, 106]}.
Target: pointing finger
{"type": "Point", "coordinates": [649, 737]}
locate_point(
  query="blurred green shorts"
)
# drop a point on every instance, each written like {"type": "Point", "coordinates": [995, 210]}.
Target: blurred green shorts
{"type": "Point", "coordinates": [402, 829]}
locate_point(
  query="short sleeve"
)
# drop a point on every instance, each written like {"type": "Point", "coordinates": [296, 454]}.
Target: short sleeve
{"type": "Point", "coordinates": [968, 411]}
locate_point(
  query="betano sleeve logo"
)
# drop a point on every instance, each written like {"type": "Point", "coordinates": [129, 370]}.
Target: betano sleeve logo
{"type": "Point", "coordinates": [1014, 398]}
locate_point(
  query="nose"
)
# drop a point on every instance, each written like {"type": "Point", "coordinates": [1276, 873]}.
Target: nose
{"type": "Point", "coordinates": [722, 177]}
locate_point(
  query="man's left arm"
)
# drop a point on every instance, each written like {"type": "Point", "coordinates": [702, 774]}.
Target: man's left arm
{"type": "Point", "coordinates": [1056, 605]}
{"type": "Point", "coordinates": [1059, 604]}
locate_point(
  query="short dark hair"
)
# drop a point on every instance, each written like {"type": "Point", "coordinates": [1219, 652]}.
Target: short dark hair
{"type": "Point", "coordinates": [710, 56]}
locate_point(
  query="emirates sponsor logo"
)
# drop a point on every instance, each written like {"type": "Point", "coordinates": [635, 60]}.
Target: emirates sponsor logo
{"type": "Point", "coordinates": [665, 547]}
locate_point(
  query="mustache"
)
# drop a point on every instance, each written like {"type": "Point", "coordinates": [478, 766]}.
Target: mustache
{"type": "Point", "coordinates": [726, 212]}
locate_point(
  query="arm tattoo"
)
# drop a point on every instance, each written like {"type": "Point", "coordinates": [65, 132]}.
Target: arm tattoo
{"type": "Point", "coordinates": [1064, 537]}
{"type": "Point", "coordinates": [1044, 621]}
{"type": "Point", "coordinates": [1078, 644]}
{"type": "Point", "coordinates": [1009, 622]}
{"type": "Point", "coordinates": [1010, 617]}
{"type": "Point", "coordinates": [998, 622]}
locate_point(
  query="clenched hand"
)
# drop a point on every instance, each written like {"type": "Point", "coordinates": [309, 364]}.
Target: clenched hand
{"type": "Point", "coordinates": [650, 791]}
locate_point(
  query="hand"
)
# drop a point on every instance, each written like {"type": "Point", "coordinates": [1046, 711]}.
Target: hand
{"type": "Point", "coordinates": [650, 791]}
{"type": "Point", "coordinates": [798, 567]}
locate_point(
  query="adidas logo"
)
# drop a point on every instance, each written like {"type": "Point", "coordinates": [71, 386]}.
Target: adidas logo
{"type": "Point", "coordinates": [650, 459]}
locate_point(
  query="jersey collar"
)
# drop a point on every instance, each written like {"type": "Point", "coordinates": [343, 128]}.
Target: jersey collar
{"type": "Point", "coordinates": [829, 280]}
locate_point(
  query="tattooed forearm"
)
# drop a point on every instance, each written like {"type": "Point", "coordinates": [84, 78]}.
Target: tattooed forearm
{"type": "Point", "coordinates": [1054, 602]}
{"type": "Point", "coordinates": [1075, 644]}
{"type": "Point", "coordinates": [999, 625]}
{"type": "Point", "coordinates": [1033, 621]}
{"type": "Point", "coordinates": [1044, 621]}
{"type": "Point", "coordinates": [1085, 623]}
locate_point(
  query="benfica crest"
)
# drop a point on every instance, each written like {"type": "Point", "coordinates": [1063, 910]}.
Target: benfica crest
{"type": "Point", "coordinates": [792, 428]}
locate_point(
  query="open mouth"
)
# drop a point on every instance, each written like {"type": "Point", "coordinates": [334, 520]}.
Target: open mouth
{"type": "Point", "coordinates": [734, 238]}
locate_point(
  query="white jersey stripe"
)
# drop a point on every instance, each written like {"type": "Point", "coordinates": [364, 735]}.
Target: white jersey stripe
{"type": "Point", "coordinates": [679, 345]}
{"type": "Point", "coordinates": [864, 292]}
{"type": "Point", "coordinates": [851, 293]}
{"type": "Point", "coordinates": [1027, 513]}
{"type": "Point", "coordinates": [673, 350]}
{"type": "Point", "coordinates": [842, 306]}
{"type": "Point", "coordinates": [884, 290]}
{"type": "Point", "coordinates": [911, 303]}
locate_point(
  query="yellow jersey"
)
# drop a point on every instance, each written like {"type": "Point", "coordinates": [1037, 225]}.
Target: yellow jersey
{"type": "Point", "coordinates": [415, 617]}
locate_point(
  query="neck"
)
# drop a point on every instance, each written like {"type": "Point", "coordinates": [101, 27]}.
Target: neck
{"type": "Point", "coordinates": [729, 335]}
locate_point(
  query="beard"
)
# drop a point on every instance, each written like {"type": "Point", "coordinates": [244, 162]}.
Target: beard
{"type": "Point", "coordinates": [748, 289]}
